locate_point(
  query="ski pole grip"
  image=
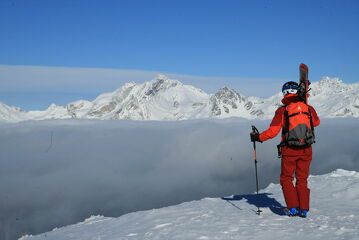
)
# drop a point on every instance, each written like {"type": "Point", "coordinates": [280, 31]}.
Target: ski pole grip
{"type": "Point", "coordinates": [254, 129]}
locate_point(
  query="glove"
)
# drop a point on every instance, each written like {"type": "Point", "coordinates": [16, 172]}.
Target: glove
{"type": "Point", "coordinates": [255, 137]}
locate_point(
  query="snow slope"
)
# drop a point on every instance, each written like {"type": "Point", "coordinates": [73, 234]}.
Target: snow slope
{"type": "Point", "coordinates": [166, 99]}
{"type": "Point", "coordinates": [334, 215]}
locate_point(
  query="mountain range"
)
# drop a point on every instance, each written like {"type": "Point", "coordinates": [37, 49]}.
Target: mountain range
{"type": "Point", "coordinates": [167, 99]}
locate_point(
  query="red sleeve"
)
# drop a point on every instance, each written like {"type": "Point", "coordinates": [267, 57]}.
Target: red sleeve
{"type": "Point", "coordinates": [315, 118]}
{"type": "Point", "coordinates": [275, 126]}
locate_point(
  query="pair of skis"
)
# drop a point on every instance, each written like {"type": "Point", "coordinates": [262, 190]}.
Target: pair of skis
{"type": "Point", "coordinates": [303, 82]}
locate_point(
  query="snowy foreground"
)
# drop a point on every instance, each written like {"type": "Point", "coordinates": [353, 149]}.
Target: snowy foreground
{"type": "Point", "coordinates": [334, 215]}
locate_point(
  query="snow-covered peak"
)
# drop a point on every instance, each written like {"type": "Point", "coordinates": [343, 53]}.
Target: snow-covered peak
{"type": "Point", "coordinates": [51, 107]}
{"type": "Point", "coordinates": [4, 106]}
{"type": "Point", "coordinates": [160, 83]}
{"type": "Point", "coordinates": [163, 80]}
{"type": "Point", "coordinates": [330, 81]}
{"type": "Point", "coordinates": [328, 86]}
{"type": "Point", "coordinates": [10, 114]}
{"type": "Point", "coordinates": [229, 103]}
{"type": "Point", "coordinates": [333, 98]}
{"type": "Point", "coordinates": [226, 93]}
{"type": "Point", "coordinates": [52, 112]}
{"type": "Point", "coordinates": [163, 77]}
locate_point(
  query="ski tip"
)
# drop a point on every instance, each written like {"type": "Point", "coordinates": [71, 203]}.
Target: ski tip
{"type": "Point", "coordinates": [302, 65]}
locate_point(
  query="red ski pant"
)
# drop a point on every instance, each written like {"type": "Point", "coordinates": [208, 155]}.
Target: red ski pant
{"type": "Point", "coordinates": [296, 163]}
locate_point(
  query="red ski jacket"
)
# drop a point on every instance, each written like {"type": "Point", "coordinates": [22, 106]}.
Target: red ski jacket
{"type": "Point", "coordinates": [278, 119]}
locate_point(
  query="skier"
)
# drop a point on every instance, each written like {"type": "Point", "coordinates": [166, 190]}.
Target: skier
{"type": "Point", "coordinates": [297, 121]}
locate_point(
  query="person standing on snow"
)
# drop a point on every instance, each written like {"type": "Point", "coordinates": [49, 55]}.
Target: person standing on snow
{"type": "Point", "coordinates": [297, 121]}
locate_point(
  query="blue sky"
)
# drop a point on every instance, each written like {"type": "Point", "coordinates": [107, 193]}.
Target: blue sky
{"type": "Point", "coordinates": [235, 42]}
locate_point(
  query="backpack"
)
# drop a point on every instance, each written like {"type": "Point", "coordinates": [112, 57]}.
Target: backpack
{"type": "Point", "coordinates": [298, 129]}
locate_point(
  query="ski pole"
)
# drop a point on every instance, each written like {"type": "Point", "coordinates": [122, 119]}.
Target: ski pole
{"type": "Point", "coordinates": [255, 130]}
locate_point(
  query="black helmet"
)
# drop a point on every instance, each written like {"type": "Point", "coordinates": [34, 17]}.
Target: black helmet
{"type": "Point", "coordinates": [290, 87]}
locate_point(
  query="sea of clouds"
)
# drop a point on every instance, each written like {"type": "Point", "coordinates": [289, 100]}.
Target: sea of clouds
{"type": "Point", "coordinates": [58, 172]}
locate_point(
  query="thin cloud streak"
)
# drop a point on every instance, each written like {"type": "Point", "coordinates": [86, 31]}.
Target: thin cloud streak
{"type": "Point", "coordinates": [90, 80]}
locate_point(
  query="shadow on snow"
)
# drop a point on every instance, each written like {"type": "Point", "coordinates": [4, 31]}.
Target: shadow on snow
{"type": "Point", "coordinates": [261, 200]}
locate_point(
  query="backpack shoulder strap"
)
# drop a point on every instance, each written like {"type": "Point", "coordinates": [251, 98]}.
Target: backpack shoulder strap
{"type": "Point", "coordinates": [286, 120]}
{"type": "Point", "coordinates": [311, 119]}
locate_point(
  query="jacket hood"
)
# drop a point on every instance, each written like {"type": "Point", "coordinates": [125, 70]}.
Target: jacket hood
{"type": "Point", "coordinates": [290, 98]}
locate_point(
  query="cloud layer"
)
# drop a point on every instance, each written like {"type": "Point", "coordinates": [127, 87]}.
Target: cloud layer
{"type": "Point", "coordinates": [54, 173]}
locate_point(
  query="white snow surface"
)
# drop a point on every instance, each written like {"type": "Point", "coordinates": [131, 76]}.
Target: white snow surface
{"type": "Point", "coordinates": [334, 214]}
{"type": "Point", "coordinates": [166, 99]}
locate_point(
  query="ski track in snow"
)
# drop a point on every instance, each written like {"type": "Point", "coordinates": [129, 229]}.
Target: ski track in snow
{"type": "Point", "coordinates": [333, 215]}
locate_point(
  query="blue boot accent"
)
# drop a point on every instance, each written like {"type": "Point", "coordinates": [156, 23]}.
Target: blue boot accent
{"type": "Point", "coordinates": [292, 212]}
{"type": "Point", "coordinates": [303, 213]}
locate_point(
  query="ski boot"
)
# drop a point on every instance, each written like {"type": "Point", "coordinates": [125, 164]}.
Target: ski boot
{"type": "Point", "coordinates": [292, 212]}
{"type": "Point", "coordinates": [302, 213]}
